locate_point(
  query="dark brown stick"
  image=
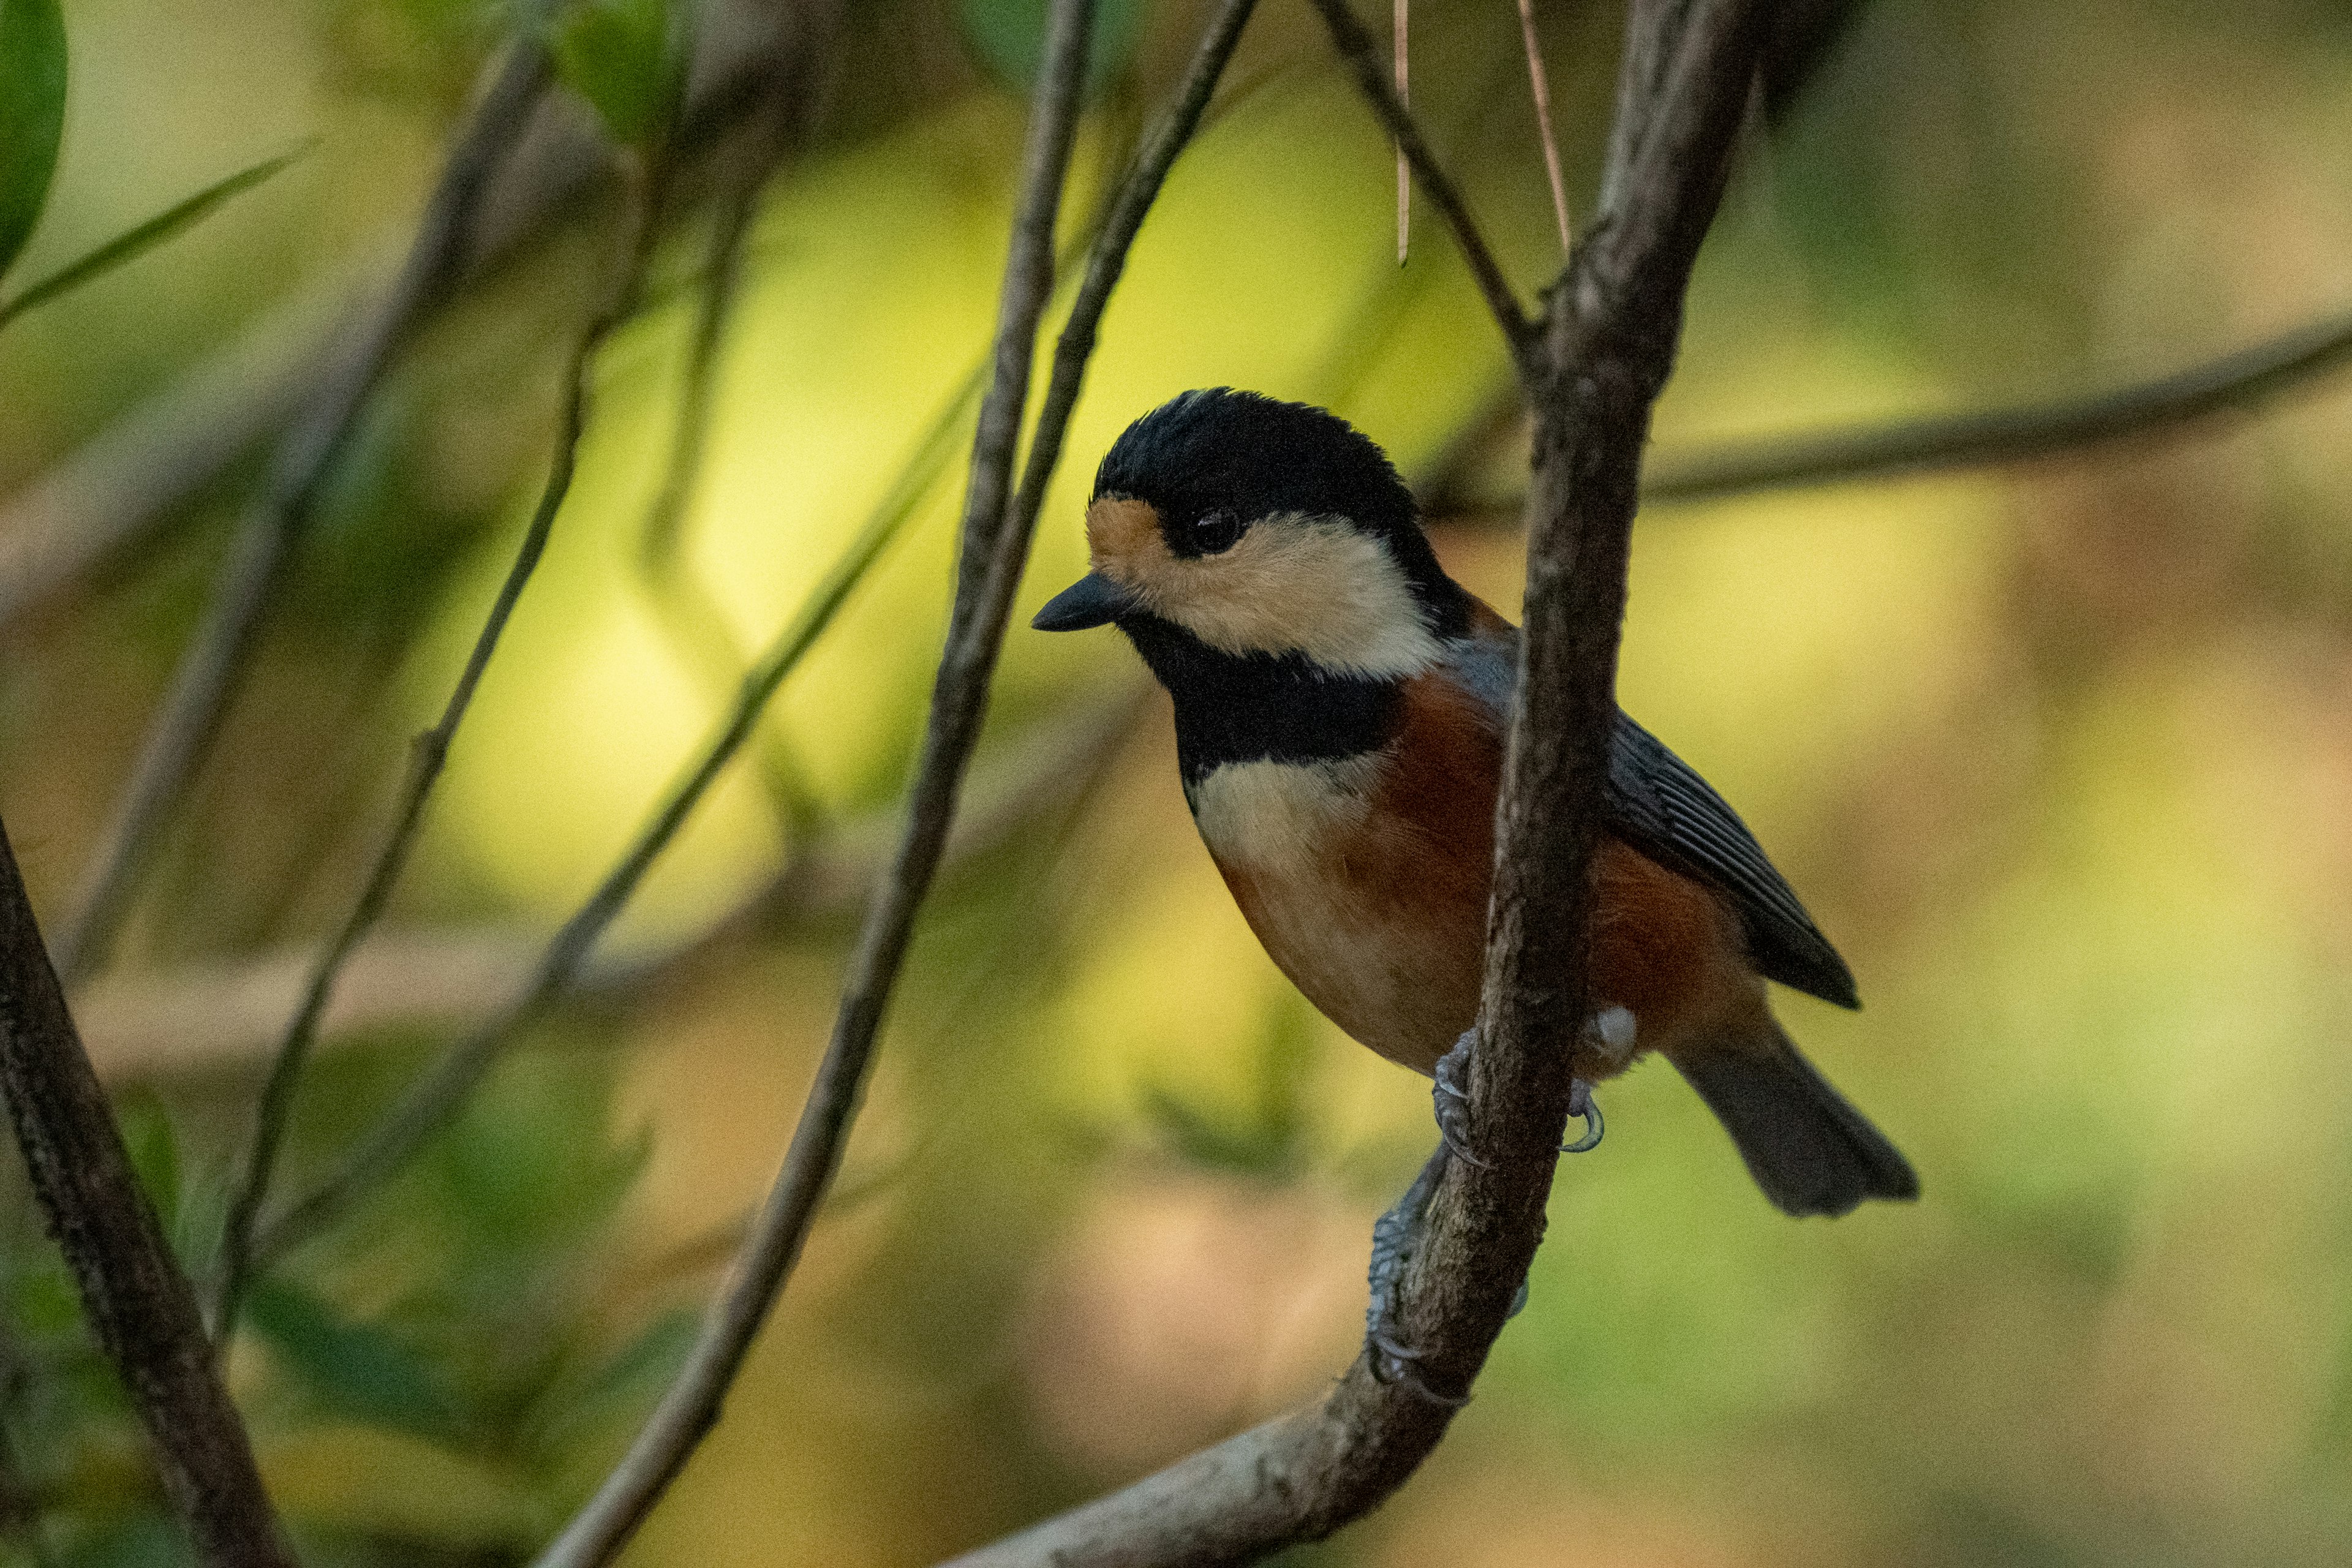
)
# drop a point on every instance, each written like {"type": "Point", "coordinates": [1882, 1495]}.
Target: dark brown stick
{"type": "Point", "coordinates": [132, 1290]}
{"type": "Point", "coordinates": [1611, 343]}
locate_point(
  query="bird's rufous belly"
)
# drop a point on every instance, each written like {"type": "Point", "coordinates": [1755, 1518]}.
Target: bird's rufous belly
{"type": "Point", "coordinates": [1380, 918]}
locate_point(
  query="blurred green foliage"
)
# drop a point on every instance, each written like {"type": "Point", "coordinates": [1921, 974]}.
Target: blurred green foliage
{"type": "Point", "coordinates": [32, 115]}
{"type": "Point", "coordinates": [621, 56]}
{"type": "Point", "coordinates": [2057, 754]}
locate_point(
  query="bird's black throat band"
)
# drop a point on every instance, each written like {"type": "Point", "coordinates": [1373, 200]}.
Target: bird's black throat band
{"type": "Point", "coordinates": [1250, 708]}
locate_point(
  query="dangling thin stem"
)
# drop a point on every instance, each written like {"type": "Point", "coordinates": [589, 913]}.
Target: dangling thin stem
{"type": "Point", "coordinates": [1543, 119]}
{"type": "Point", "coordinates": [1404, 169]}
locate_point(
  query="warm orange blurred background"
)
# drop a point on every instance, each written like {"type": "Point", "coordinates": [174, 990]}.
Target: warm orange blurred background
{"type": "Point", "coordinates": [2058, 753]}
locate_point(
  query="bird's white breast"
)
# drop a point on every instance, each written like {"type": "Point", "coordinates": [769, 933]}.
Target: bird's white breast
{"type": "Point", "coordinates": [1283, 819]}
{"type": "Point", "coordinates": [1302, 845]}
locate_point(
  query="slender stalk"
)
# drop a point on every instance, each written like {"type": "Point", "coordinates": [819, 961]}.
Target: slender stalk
{"type": "Point", "coordinates": [435, 1097]}
{"type": "Point", "coordinates": [1400, 27]}
{"type": "Point", "coordinates": [182, 732]}
{"type": "Point", "coordinates": [2234, 382]}
{"type": "Point", "coordinates": [689, 616]}
{"type": "Point", "coordinates": [994, 546]}
{"type": "Point", "coordinates": [430, 753]}
{"type": "Point", "coordinates": [1355, 47]}
{"type": "Point", "coordinates": [1541, 89]}
{"type": "Point", "coordinates": [132, 1291]}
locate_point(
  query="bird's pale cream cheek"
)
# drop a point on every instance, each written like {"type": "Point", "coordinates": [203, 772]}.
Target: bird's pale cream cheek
{"type": "Point", "coordinates": [1293, 584]}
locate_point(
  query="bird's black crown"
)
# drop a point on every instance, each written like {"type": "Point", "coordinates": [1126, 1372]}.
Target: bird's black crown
{"type": "Point", "coordinates": [1219, 449]}
{"type": "Point", "coordinates": [1216, 449]}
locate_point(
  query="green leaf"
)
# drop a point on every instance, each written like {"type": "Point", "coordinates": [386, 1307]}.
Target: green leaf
{"type": "Point", "coordinates": [357, 1371]}
{"type": "Point", "coordinates": [616, 54]}
{"type": "Point", "coordinates": [130, 246]}
{"type": "Point", "coordinates": [1007, 38]}
{"type": "Point", "coordinates": [32, 115]}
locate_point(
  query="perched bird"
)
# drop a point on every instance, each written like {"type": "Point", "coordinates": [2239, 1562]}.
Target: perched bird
{"type": "Point", "coordinates": [1341, 705]}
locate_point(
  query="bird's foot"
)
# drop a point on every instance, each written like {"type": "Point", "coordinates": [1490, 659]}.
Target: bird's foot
{"type": "Point", "coordinates": [1581, 1103]}
{"type": "Point", "coordinates": [1613, 1027]}
{"type": "Point", "coordinates": [1396, 1236]}
{"type": "Point", "coordinates": [1450, 1089]}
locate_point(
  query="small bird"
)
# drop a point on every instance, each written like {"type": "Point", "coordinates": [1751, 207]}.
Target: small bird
{"type": "Point", "coordinates": [1341, 707]}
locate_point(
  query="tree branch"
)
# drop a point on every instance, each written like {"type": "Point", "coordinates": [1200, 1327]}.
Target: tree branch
{"type": "Point", "coordinates": [1363, 56]}
{"type": "Point", "coordinates": [132, 1287]}
{"type": "Point", "coordinates": [645, 189]}
{"type": "Point", "coordinates": [113, 493]}
{"type": "Point", "coordinates": [2235, 382]}
{"type": "Point", "coordinates": [183, 731]}
{"type": "Point", "coordinates": [225, 1016]}
{"type": "Point", "coordinates": [1610, 345]}
{"type": "Point", "coordinates": [994, 548]}
{"type": "Point", "coordinates": [435, 1097]}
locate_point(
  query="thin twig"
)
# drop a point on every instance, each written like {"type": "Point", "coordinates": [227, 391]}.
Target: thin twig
{"type": "Point", "coordinates": [219, 1016]}
{"type": "Point", "coordinates": [1356, 47]}
{"type": "Point", "coordinates": [183, 731]}
{"type": "Point", "coordinates": [114, 493]}
{"type": "Point", "coordinates": [2235, 382]}
{"type": "Point", "coordinates": [1400, 27]}
{"type": "Point", "coordinates": [1608, 351]}
{"type": "Point", "coordinates": [687, 613]}
{"type": "Point", "coordinates": [137, 1300]}
{"type": "Point", "coordinates": [642, 202]}
{"type": "Point", "coordinates": [989, 571]}
{"type": "Point", "coordinates": [1541, 89]}
{"type": "Point", "coordinates": [435, 1097]}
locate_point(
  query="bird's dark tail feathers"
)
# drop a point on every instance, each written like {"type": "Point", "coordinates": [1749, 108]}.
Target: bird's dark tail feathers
{"type": "Point", "coordinates": [1809, 1150]}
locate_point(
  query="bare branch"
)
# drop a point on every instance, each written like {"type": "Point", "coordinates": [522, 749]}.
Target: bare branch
{"type": "Point", "coordinates": [132, 1287]}
{"type": "Point", "coordinates": [1608, 348]}
{"type": "Point", "coordinates": [435, 1097]}
{"type": "Point", "coordinates": [114, 492]}
{"type": "Point", "coordinates": [183, 731]}
{"type": "Point", "coordinates": [222, 1016]}
{"type": "Point", "coordinates": [2235, 382]}
{"type": "Point", "coordinates": [791, 57]}
{"type": "Point", "coordinates": [1356, 47]}
{"type": "Point", "coordinates": [989, 570]}
{"type": "Point", "coordinates": [644, 193]}
{"type": "Point", "coordinates": [1541, 90]}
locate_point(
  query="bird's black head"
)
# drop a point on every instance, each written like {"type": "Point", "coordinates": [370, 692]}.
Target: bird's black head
{"type": "Point", "coordinates": [1262, 528]}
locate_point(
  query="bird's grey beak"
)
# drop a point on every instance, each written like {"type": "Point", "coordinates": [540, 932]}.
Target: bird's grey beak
{"type": "Point", "coordinates": [1094, 600]}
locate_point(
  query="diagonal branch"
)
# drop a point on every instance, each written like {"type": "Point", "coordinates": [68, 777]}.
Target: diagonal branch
{"type": "Point", "coordinates": [2236, 381]}
{"type": "Point", "coordinates": [132, 1290]}
{"type": "Point", "coordinates": [644, 190]}
{"type": "Point", "coordinates": [1608, 350]}
{"type": "Point", "coordinates": [1356, 49]}
{"type": "Point", "coordinates": [428, 1106]}
{"type": "Point", "coordinates": [2239, 382]}
{"type": "Point", "coordinates": [183, 732]}
{"type": "Point", "coordinates": [995, 546]}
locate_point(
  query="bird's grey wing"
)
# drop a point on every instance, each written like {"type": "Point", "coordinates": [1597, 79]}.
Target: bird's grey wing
{"type": "Point", "coordinates": [1658, 804]}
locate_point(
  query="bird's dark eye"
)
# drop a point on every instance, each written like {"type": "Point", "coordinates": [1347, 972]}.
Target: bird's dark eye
{"type": "Point", "coordinates": [1216, 530]}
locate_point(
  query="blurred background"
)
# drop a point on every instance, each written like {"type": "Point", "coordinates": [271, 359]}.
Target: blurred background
{"type": "Point", "coordinates": [2058, 753]}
